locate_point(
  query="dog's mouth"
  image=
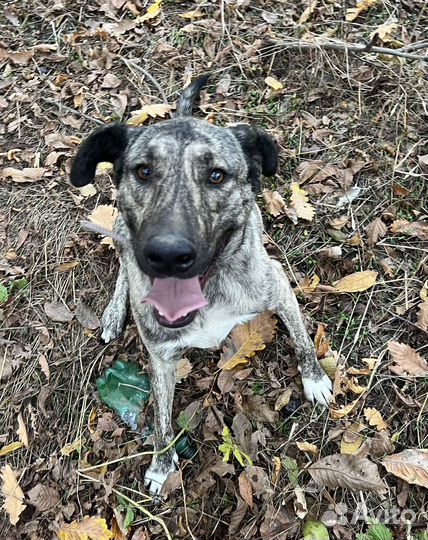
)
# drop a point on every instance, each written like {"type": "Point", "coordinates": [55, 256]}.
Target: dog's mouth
{"type": "Point", "coordinates": [176, 302]}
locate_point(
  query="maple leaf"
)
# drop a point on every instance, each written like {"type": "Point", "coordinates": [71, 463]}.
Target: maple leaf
{"type": "Point", "coordinates": [246, 339]}
{"type": "Point", "coordinates": [374, 418]}
{"type": "Point", "coordinates": [356, 282]}
{"type": "Point", "coordinates": [12, 493]}
{"type": "Point", "coordinates": [406, 360]}
{"type": "Point", "coordinates": [299, 201]}
{"type": "Point", "coordinates": [89, 528]}
{"type": "Point", "coordinates": [411, 465]}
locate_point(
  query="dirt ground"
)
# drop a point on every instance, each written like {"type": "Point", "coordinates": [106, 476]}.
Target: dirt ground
{"type": "Point", "coordinates": [346, 123]}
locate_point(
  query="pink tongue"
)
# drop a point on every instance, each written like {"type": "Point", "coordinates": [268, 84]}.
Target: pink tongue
{"type": "Point", "coordinates": [174, 297]}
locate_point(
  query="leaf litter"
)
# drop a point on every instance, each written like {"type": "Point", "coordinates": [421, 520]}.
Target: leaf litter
{"type": "Point", "coordinates": [360, 167]}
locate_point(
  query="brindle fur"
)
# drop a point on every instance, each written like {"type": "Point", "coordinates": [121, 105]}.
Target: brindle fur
{"type": "Point", "coordinates": [243, 280]}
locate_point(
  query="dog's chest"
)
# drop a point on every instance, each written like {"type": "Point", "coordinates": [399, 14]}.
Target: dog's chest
{"type": "Point", "coordinates": [217, 325]}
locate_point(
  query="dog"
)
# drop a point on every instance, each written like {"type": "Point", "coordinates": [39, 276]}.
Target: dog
{"type": "Point", "coordinates": [193, 265]}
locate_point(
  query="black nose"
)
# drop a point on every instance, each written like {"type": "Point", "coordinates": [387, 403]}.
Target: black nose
{"type": "Point", "coordinates": [169, 255]}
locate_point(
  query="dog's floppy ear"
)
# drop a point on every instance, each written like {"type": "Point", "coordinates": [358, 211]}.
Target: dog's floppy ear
{"type": "Point", "coordinates": [105, 144]}
{"type": "Point", "coordinates": [258, 146]}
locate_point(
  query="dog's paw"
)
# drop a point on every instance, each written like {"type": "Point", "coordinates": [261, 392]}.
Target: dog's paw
{"type": "Point", "coordinates": [112, 323]}
{"type": "Point", "coordinates": [318, 389]}
{"type": "Point", "coordinates": [157, 473]}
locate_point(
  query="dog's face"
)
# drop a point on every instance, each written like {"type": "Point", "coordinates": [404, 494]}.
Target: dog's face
{"type": "Point", "coordinates": [184, 190]}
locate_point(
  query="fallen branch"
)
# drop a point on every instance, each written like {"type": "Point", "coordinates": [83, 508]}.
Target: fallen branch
{"type": "Point", "coordinates": [321, 43]}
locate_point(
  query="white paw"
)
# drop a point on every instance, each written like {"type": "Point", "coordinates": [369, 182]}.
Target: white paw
{"type": "Point", "coordinates": [318, 390]}
{"type": "Point", "coordinates": [156, 475]}
{"type": "Point", "coordinates": [112, 323]}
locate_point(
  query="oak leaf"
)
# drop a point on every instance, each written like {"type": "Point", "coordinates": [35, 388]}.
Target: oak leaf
{"type": "Point", "coordinates": [356, 282]}
{"type": "Point", "coordinates": [246, 339]}
{"type": "Point", "coordinates": [347, 471]}
{"type": "Point", "coordinates": [43, 497]}
{"type": "Point", "coordinates": [12, 493]}
{"type": "Point", "coordinates": [406, 360]}
{"type": "Point", "coordinates": [89, 528]}
{"type": "Point", "coordinates": [374, 418]}
{"type": "Point", "coordinates": [299, 201]}
{"type": "Point", "coordinates": [411, 465]}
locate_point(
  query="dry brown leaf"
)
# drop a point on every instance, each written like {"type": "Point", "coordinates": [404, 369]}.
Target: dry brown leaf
{"type": "Point", "coordinates": [12, 493]}
{"type": "Point", "coordinates": [104, 215]}
{"type": "Point", "coordinates": [86, 316]}
{"type": "Point", "coordinates": [89, 528]}
{"type": "Point", "coordinates": [355, 387]}
{"type": "Point", "coordinates": [43, 497]}
{"type": "Point", "coordinates": [416, 228]}
{"type": "Point", "coordinates": [347, 471]}
{"type": "Point", "coordinates": [357, 282]}
{"type": "Point", "coordinates": [321, 341]}
{"type": "Point", "coordinates": [8, 448]}
{"type": "Point", "coordinates": [182, 369]}
{"type": "Point", "coordinates": [245, 488]}
{"type": "Point", "coordinates": [381, 445]}
{"type": "Point", "coordinates": [29, 174]}
{"type": "Point", "coordinates": [22, 431]}
{"type": "Point", "coordinates": [276, 469]}
{"type": "Point", "coordinates": [58, 312]}
{"type": "Point", "coordinates": [246, 339]}
{"type": "Point", "coordinates": [407, 362]}
{"type": "Point", "coordinates": [343, 411]}
{"type": "Point", "coordinates": [275, 204]}
{"type": "Point", "coordinates": [194, 14]}
{"type": "Point", "coordinates": [299, 201]}
{"type": "Point", "coordinates": [43, 361]}
{"type": "Point", "coordinates": [307, 447]}
{"type": "Point", "coordinates": [283, 399]}
{"type": "Point", "coordinates": [64, 267]}
{"type": "Point", "coordinates": [411, 465]}
{"type": "Point", "coordinates": [423, 315]}
{"type": "Point", "coordinates": [362, 5]}
{"type": "Point", "coordinates": [385, 30]}
{"type": "Point", "coordinates": [237, 515]}
{"type": "Point", "coordinates": [370, 363]}
{"type": "Point", "coordinates": [376, 230]}
{"type": "Point", "coordinates": [307, 13]}
{"type": "Point", "coordinates": [155, 110]}
{"type": "Point", "coordinates": [374, 418]}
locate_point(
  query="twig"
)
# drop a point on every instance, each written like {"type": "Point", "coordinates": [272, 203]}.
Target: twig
{"type": "Point", "coordinates": [70, 109]}
{"type": "Point", "coordinates": [319, 43]}
{"type": "Point", "coordinates": [132, 65]}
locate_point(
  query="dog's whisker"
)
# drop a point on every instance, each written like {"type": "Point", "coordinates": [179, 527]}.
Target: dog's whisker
{"type": "Point", "coordinates": [93, 227]}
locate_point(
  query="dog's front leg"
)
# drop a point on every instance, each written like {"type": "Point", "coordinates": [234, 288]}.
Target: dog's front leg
{"type": "Point", "coordinates": [316, 384]}
{"type": "Point", "coordinates": [163, 367]}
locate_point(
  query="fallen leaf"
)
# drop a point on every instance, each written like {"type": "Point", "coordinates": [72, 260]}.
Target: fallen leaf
{"type": "Point", "coordinates": [245, 488]}
{"type": "Point", "coordinates": [74, 446]}
{"type": "Point", "coordinates": [154, 110]}
{"type": "Point", "coordinates": [381, 445]}
{"type": "Point", "coordinates": [86, 316]}
{"type": "Point", "coordinates": [307, 447]}
{"type": "Point", "coordinates": [352, 439]}
{"type": "Point", "coordinates": [273, 83]}
{"type": "Point", "coordinates": [182, 369]}
{"type": "Point", "coordinates": [44, 365]}
{"type": "Point", "coordinates": [65, 267]}
{"type": "Point", "coordinates": [237, 515]}
{"type": "Point", "coordinates": [321, 341]}
{"type": "Point", "coordinates": [376, 230]}
{"type": "Point", "coordinates": [43, 497]}
{"type": "Point", "coordinates": [374, 418]}
{"type": "Point", "coordinates": [12, 493]}
{"type": "Point", "coordinates": [29, 174]}
{"type": "Point", "coordinates": [246, 339]}
{"type": "Point", "coordinates": [407, 361]}
{"type": "Point", "coordinates": [356, 282]}
{"type": "Point", "coordinates": [58, 312]}
{"type": "Point", "coordinates": [194, 14]}
{"type": "Point", "coordinates": [350, 195]}
{"type": "Point", "coordinates": [22, 431]}
{"type": "Point", "coordinates": [329, 365]}
{"type": "Point", "coordinates": [300, 506]}
{"type": "Point", "coordinates": [110, 81]}
{"type": "Point", "coordinates": [89, 528]}
{"type": "Point", "coordinates": [385, 30]}
{"type": "Point", "coordinates": [411, 465]}
{"type": "Point", "coordinates": [299, 201]}
{"type": "Point", "coordinates": [275, 204]}
{"type": "Point", "coordinates": [152, 11]}
{"type": "Point", "coordinates": [354, 13]}
{"type": "Point", "coordinates": [315, 530]}
{"type": "Point", "coordinates": [8, 448]}
{"type": "Point", "coordinates": [90, 190]}
{"type": "Point", "coordinates": [416, 228]}
{"type": "Point", "coordinates": [370, 363]}
{"type": "Point", "coordinates": [355, 387]}
{"type": "Point", "coordinates": [104, 215]}
{"type": "Point", "coordinates": [283, 399]}
{"type": "Point", "coordinates": [276, 469]}
{"type": "Point", "coordinates": [347, 471]}
{"type": "Point", "coordinates": [308, 12]}
{"type": "Point", "coordinates": [423, 315]}
{"type": "Point", "coordinates": [343, 411]}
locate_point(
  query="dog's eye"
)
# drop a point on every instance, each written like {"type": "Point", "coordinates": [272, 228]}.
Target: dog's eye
{"type": "Point", "coordinates": [217, 176]}
{"type": "Point", "coordinates": [144, 172]}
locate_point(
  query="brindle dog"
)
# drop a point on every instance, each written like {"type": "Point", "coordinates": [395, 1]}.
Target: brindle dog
{"type": "Point", "coordinates": [193, 265]}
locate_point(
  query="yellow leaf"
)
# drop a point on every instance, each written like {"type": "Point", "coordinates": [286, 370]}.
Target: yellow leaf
{"type": "Point", "coordinates": [283, 399]}
{"type": "Point", "coordinates": [363, 5]}
{"type": "Point", "coordinates": [307, 13]}
{"type": "Point", "coordinates": [329, 365]}
{"type": "Point", "coordinates": [276, 469]}
{"type": "Point", "coordinates": [299, 201]}
{"type": "Point", "coordinates": [423, 293]}
{"type": "Point", "coordinates": [104, 215]}
{"type": "Point", "coordinates": [352, 439]}
{"type": "Point", "coordinates": [69, 448]}
{"type": "Point", "coordinates": [13, 495]}
{"type": "Point", "coordinates": [152, 11]}
{"type": "Point", "coordinates": [246, 339]}
{"type": "Point", "coordinates": [343, 411]}
{"type": "Point", "coordinates": [65, 267]}
{"type": "Point", "coordinates": [102, 166]}
{"type": "Point", "coordinates": [374, 418]}
{"type": "Point", "coordinates": [321, 341]}
{"type": "Point", "coordinates": [4, 450]}
{"type": "Point", "coordinates": [370, 363]}
{"type": "Point", "coordinates": [357, 282]}
{"type": "Point", "coordinates": [355, 387]}
{"type": "Point", "coordinates": [154, 110]}
{"type": "Point", "coordinates": [89, 528]}
{"type": "Point", "coordinates": [384, 31]}
{"type": "Point", "coordinates": [182, 368]}
{"type": "Point", "coordinates": [411, 465]}
{"type": "Point", "coordinates": [307, 447]}
{"type": "Point", "coordinates": [308, 285]}
{"type": "Point", "coordinates": [22, 431]}
{"type": "Point", "coordinates": [194, 14]}
{"type": "Point", "coordinates": [273, 83]}
{"type": "Point", "coordinates": [90, 190]}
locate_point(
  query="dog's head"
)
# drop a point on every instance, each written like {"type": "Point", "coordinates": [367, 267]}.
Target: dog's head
{"type": "Point", "coordinates": [184, 189]}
